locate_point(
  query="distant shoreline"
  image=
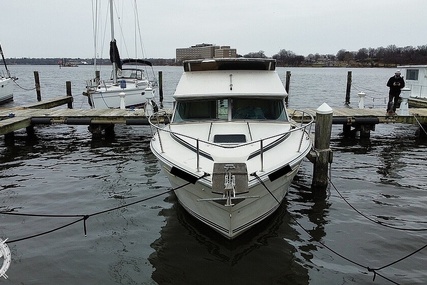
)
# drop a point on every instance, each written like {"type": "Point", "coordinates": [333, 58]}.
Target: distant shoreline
{"type": "Point", "coordinates": [172, 62]}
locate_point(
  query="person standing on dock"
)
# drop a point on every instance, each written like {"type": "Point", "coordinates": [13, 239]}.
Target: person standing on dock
{"type": "Point", "coordinates": [395, 83]}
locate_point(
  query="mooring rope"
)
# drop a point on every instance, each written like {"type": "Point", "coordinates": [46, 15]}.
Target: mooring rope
{"type": "Point", "coordinates": [23, 88]}
{"type": "Point", "coordinates": [85, 217]}
{"type": "Point", "coordinates": [265, 186]}
{"type": "Point", "coordinates": [369, 269]}
{"type": "Point", "coordinates": [358, 88]}
{"type": "Point", "coordinates": [380, 96]}
{"type": "Point", "coordinates": [421, 126]}
{"type": "Point", "coordinates": [369, 218]}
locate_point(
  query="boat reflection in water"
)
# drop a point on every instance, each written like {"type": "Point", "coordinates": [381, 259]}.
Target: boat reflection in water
{"type": "Point", "coordinates": [268, 253]}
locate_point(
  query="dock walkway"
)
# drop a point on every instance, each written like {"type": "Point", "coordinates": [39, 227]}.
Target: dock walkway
{"type": "Point", "coordinates": [14, 119]}
{"type": "Point", "coordinates": [375, 116]}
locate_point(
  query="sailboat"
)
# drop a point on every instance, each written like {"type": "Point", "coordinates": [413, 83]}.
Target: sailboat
{"type": "Point", "coordinates": [129, 85]}
{"type": "Point", "coordinates": [6, 83]}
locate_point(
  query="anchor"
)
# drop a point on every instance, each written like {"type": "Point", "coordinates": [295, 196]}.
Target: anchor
{"type": "Point", "coordinates": [229, 185]}
{"type": "Point", "coordinates": [231, 181]}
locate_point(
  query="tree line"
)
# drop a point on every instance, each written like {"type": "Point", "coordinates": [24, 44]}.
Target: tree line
{"type": "Point", "coordinates": [364, 57]}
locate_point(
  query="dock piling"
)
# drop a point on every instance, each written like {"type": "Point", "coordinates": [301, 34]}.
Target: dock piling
{"type": "Point", "coordinates": [161, 87]}
{"type": "Point", "coordinates": [122, 100]}
{"type": "Point", "coordinates": [288, 82]}
{"type": "Point", "coordinates": [322, 151]}
{"type": "Point", "coordinates": [347, 93]}
{"type": "Point", "coordinates": [362, 96]}
{"type": "Point", "coordinates": [405, 94]}
{"type": "Point", "coordinates": [37, 82]}
{"type": "Point", "coordinates": [68, 90]}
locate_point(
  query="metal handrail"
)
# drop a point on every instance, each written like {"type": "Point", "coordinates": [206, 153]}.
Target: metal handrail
{"type": "Point", "coordinates": [305, 125]}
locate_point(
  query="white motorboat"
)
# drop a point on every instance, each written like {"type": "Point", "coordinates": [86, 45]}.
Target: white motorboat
{"type": "Point", "coordinates": [416, 81]}
{"type": "Point", "coordinates": [129, 85]}
{"type": "Point", "coordinates": [6, 83]}
{"type": "Point", "coordinates": [231, 149]}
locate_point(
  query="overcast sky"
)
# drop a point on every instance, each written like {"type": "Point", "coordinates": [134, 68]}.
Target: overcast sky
{"type": "Point", "coordinates": [63, 28]}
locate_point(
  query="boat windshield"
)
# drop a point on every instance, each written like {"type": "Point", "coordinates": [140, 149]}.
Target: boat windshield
{"type": "Point", "coordinates": [230, 109]}
{"type": "Point", "coordinates": [130, 74]}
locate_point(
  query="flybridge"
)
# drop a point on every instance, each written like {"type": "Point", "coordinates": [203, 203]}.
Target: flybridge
{"type": "Point", "coordinates": [230, 64]}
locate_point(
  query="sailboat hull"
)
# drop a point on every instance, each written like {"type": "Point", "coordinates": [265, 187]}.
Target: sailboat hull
{"type": "Point", "coordinates": [111, 99]}
{"type": "Point", "coordinates": [6, 90]}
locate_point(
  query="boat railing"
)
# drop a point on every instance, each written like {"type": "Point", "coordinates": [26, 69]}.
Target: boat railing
{"type": "Point", "coordinates": [417, 90]}
{"type": "Point", "coordinates": [303, 125]}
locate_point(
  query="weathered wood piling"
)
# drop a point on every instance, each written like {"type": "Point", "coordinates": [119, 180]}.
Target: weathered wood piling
{"type": "Point", "coordinates": [321, 155]}
{"type": "Point", "coordinates": [287, 85]}
{"type": "Point", "coordinates": [348, 90]}
{"type": "Point", "coordinates": [37, 83]}
{"type": "Point", "coordinates": [161, 87]}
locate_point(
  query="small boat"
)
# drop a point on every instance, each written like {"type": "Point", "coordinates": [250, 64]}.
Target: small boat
{"type": "Point", "coordinates": [6, 83]}
{"type": "Point", "coordinates": [416, 80]}
{"type": "Point", "coordinates": [65, 63]}
{"type": "Point", "coordinates": [231, 149]}
{"type": "Point", "coordinates": [129, 85]}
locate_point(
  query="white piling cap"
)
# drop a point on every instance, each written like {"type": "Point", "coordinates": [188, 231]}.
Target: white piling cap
{"type": "Point", "coordinates": [324, 109]}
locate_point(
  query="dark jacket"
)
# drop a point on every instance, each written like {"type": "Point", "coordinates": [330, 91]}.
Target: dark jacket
{"type": "Point", "coordinates": [396, 84]}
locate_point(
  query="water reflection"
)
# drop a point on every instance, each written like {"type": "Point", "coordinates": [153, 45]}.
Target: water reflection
{"type": "Point", "coordinates": [189, 252]}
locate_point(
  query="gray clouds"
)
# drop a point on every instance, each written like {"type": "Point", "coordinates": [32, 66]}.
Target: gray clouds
{"type": "Point", "coordinates": [60, 28]}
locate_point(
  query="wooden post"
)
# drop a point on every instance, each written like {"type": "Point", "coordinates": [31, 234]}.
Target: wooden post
{"type": "Point", "coordinates": [322, 149]}
{"type": "Point", "coordinates": [109, 131]}
{"type": "Point", "coordinates": [288, 81]}
{"type": "Point", "coordinates": [30, 131]}
{"type": "Point", "coordinates": [161, 87]}
{"type": "Point", "coordinates": [37, 82]}
{"type": "Point", "coordinates": [9, 138]}
{"type": "Point", "coordinates": [347, 93]}
{"type": "Point", "coordinates": [68, 88]}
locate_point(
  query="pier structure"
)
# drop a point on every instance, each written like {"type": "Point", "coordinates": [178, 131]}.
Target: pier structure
{"type": "Point", "coordinates": [42, 113]}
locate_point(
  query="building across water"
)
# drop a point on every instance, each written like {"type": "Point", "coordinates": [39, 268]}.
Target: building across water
{"type": "Point", "coordinates": [200, 51]}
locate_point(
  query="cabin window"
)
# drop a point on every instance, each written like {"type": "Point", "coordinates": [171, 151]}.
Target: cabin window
{"type": "Point", "coordinates": [130, 74]}
{"type": "Point", "coordinates": [201, 110]}
{"type": "Point", "coordinates": [258, 109]}
{"type": "Point", "coordinates": [242, 109]}
{"type": "Point", "coordinates": [412, 74]}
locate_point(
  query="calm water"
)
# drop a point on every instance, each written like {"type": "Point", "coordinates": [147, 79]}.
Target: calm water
{"type": "Point", "coordinates": [66, 171]}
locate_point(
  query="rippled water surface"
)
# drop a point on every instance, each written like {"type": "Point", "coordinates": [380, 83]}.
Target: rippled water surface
{"type": "Point", "coordinates": [64, 170]}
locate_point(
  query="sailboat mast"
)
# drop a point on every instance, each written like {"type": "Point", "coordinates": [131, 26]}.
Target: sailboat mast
{"type": "Point", "coordinates": [4, 62]}
{"type": "Point", "coordinates": [112, 40]}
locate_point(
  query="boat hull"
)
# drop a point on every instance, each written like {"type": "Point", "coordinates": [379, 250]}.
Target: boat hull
{"type": "Point", "coordinates": [115, 98]}
{"type": "Point", "coordinates": [249, 209]}
{"type": "Point", "coordinates": [6, 90]}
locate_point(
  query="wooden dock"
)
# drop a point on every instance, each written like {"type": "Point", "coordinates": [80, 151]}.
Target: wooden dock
{"type": "Point", "coordinates": [41, 113]}
{"type": "Point", "coordinates": [374, 116]}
